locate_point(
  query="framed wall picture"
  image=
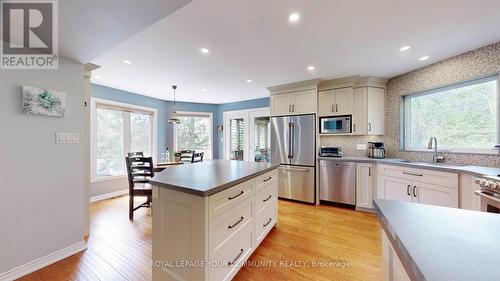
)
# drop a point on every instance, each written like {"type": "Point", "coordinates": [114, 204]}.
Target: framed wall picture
{"type": "Point", "coordinates": [37, 101]}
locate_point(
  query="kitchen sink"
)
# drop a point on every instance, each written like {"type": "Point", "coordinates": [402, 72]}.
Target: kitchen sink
{"type": "Point", "coordinates": [423, 163]}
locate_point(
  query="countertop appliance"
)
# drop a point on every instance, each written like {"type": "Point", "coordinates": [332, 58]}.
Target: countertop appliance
{"type": "Point", "coordinates": [489, 193]}
{"type": "Point", "coordinates": [330, 151]}
{"type": "Point", "coordinates": [336, 125]}
{"type": "Point", "coordinates": [337, 182]}
{"type": "Point", "coordinates": [293, 145]}
{"type": "Point", "coordinates": [376, 150]}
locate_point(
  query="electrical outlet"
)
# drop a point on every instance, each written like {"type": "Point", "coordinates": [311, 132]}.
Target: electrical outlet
{"type": "Point", "coordinates": [361, 146]}
{"type": "Point", "coordinates": [67, 138]}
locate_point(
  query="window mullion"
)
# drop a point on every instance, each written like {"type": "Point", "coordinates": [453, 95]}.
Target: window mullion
{"type": "Point", "coordinates": [126, 133]}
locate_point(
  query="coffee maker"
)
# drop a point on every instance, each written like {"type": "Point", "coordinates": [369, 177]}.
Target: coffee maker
{"type": "Point", "coordinates": [376, 150]}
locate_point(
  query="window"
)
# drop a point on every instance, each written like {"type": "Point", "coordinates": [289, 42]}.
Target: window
{"type": "Point", "coordinates": [194, 133]}
{"type": "Point", "coordinates": [118, 129]}
{"type": "Point", "coordinates": [463, 117]}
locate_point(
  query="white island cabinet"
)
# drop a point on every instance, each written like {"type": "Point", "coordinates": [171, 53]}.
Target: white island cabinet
{"type": "Point", "coordinates": [209, 217]}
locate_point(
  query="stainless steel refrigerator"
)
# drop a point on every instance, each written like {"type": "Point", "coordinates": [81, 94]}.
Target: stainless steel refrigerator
{"type": "Point", "coordinates": [293, 145]}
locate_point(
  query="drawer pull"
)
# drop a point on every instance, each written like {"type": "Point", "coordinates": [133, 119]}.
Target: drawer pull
{"type": "Point", "coordinates": [412, 174]}
{"type": "Point", "coordinates": [235, 224]}
{"type": "Point", "coordinates": [236, 196]}
{"type": "Point", "coordinates": [237, 257]}
{"type": "Point", "coordinates": [267, 223]}
{"type": "Point", "coordinates": [268, 179]}
{"type": "Point", "coordinates": [267, 199]}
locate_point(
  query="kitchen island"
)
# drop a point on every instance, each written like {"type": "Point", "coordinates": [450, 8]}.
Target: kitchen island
{"type": "Point", "coordinates": [423, 242]}
{"type": "Point", "coordinates": [209, 217]}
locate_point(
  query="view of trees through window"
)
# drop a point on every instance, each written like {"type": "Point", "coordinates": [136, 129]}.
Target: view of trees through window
{"type": "Point", "coordinates": [462, 117]}
{"type": "Point", "coordinates": [194, 133]}
{"type": "Point", "coordinates": [112, 145]}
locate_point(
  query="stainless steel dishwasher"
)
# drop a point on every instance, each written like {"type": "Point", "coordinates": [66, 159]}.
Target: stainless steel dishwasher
{"type": "Point", "coordinates": [337, 182]}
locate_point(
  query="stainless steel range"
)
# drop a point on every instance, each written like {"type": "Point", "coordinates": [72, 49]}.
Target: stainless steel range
{"type": "Point", "coordinates": [489, 193]}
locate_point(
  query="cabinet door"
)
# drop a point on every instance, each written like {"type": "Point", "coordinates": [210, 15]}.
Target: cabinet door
{"type": "Point", "coordinates": [432, 194]}
{"type": "Point", "coordinates": [397, 189]}
{"type": "Point", "coordinates": [375, 118]}
{"type": "Point", "coordinates": [343, 99]}
{"type": "Point", "coordinates": [281, 104]}
{"type": "Point", "coordinates": [304, 102]}
{"type": "Point", "coordinates": [359, 112]}
{"type": "Point", "coordinates": [325, 103]}
{"type": "Point", "coordinates": [364, 185]}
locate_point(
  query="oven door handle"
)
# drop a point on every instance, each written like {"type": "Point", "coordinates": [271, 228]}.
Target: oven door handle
{"type": "Point", "coordinates": [482, 194]}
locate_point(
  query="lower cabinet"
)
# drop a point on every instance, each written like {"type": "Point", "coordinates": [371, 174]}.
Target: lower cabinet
{"type": "Point", "coordinates": [364, 185]}
{"type": "Point", "coordinates": [392, 268]}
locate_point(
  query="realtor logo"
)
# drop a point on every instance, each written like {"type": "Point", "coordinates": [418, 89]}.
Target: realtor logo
{"type": "Point", "coordinates": [29, 34]}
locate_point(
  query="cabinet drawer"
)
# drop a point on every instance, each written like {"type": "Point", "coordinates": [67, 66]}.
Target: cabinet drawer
{"type": "Point", "coordinates": [265, 220]}
{"type": "Point", "coordinates": [231, 255]}
{"type": "Point", "coordinates": [228, 224]}
{"type": "Point", "coordinates": [266, 197]}
{"type": "Point", "coordinates": [265, 180]}
{"type": "Point", "coordinates": [420, 175]}
{"type": "Point", "coordinates": [225, 200]}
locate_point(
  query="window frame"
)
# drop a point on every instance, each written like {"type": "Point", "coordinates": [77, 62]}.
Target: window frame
{"type": "Point", "coordinates": [405, 114]}
{"type": "Point", "coordinates": [94, 102]}
{"type": "Point", "coordinates": [195, 114]}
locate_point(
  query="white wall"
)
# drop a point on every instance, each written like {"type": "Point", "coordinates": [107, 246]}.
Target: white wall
{"type": "Point", "coordinates": [42, 184]}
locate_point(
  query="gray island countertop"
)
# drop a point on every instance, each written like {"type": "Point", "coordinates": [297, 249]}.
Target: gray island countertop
{"type": "Point", "coordinates": [439, 243]}
{"type": "Point", "coordinates": [209, 177]}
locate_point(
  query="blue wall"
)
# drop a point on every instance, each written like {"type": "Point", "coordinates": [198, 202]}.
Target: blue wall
{"type": "Point", "coordinates": [164, 110]}
{"type": "Point", "coordinates": [221, 108]}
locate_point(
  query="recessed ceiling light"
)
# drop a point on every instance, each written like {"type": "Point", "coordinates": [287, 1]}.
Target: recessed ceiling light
{"type": "Point", "coordinates": [203, 90]}
{"type": "Point", "coordinates": [293, 17]}
{"type": "Point", "coordinates": [97, 77]}
{"type": "Point", "coordinates": [204, 50]}
{"type": "Point", "coordinates": [405, 48]}
{"type": "Point", "coordinates": [127, 62]}
{"type": "Point", "coordinates": [423, 58]}
{"type": "Point", "coordinates": [249, 80]}
{"type": "Point", "coordinates": [311, 68]}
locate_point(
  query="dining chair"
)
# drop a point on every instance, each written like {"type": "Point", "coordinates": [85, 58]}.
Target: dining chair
{"type": "Point", "coordinates": [136, 154]}
{"type": "Point", "coordinates": [187, 156]}
{"type": "Point", "coordinates": [198, 157]}
{"type": "Point", "coordinates": [139, 170]}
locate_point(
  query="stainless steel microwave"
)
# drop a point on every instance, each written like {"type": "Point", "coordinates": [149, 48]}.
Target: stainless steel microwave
{"type": "Point", "coordinates": [336, 124]}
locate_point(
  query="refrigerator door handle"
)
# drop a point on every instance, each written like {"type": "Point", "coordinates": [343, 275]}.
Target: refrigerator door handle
{"type": "Point", "coordinates": [292, 137]}
{"type": "Point", "coordinates": [290, 141]}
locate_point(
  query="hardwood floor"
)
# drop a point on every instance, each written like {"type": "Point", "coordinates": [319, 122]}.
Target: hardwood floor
{"type": "Point", "coordinates": [347, 242]}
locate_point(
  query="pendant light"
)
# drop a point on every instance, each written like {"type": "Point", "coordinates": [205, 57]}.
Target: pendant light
{"type": "Point", "coordinates": [174, 119]}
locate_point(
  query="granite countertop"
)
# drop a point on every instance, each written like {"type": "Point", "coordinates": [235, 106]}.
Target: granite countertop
{"type": "Point", "coordinates": [209, 177]}
{"type": "Point", "coordinates": [439, 243]}
{"type": "Point", "coordinates": [446, 167]}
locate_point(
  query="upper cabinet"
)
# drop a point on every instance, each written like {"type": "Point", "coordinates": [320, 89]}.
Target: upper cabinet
{"type": "Point", "coordinates": [368, 114]}
{"type": "Point", "coordinates": [336, 102]}
{"type": "Point", "coordinates": [295, 98]}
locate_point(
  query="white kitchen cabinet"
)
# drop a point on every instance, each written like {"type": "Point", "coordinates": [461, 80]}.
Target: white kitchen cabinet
{"type": "Point", "coordinates": [397, 189]}
{"type": "Point", "coordinates": [432, 194]}
{"type": "Point", "coordinates": [300, 102]}
{"type": "Point", "coordinates": [364, 185]}
{"type": "Point", "coordinates": [336, 102]}
{"type": "Point", "coordinates": [368, 113]}
{"type": "Point", "coordinates": [392, 268]}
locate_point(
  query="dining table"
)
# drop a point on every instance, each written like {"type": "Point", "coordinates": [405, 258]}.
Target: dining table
{"type": "Point", "coordinates": [160, 166]}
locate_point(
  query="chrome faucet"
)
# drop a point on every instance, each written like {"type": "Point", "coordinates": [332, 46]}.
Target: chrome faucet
{"type": "Point", "coordinates": [435, 157]}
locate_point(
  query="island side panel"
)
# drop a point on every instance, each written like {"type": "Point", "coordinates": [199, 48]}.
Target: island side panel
{"type": "Point", "coordinates": [180, 233]}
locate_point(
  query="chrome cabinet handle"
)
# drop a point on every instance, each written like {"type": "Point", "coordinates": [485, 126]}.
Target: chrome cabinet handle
{"type": "Point", "coordinates": [236, 196]}
{"type": "Point", "coordinates": [331, 109]}
{"type": "Point", "coordinates": [412, 174]}
{"type": "Point", "coordinates": [369, 127]}
{"type": "Point", "coordinates": [369, 171]}
{"type": "Point", "coordinates": [267, 223]}
{"type": "Point", "coordinates": [354, 129]}
{"type": "Point", "coordinates": [268, 179]}
{"type": "Point", "coordinates": [289, 108]}
{"type": "Point", "coordinates": [408, 190]}
{"type": "Point", "coordinates": [293, 107]}
{"type": "Point", "coordinates": [336, 107]}
{"type": "Point", "coordinates": [237, 257]}
{"type": "Point", "coordinates": [268, 198]}
{"type": "Point", "coordinates": [235, 224]}
{"type": "Point", "coordinates": [415, 191]}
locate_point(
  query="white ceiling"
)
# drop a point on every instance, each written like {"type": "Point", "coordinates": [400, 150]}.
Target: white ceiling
{"type": "Point", "coordinates": [253, 40]}
{"type": "Point", "coordinates": [87, 28]}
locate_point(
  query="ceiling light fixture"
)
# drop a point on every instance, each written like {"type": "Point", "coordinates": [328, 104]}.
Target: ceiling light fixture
{"type": "Point", "coordinates": [204, 51]}
{"type": "Point", "coordinates": [249, 80]}
{"type": "Point", "coordinates": [311, 68]}
{"type": "Point", "coordinates": [294, 17]}
{"type": "Point", "coordinates": [174, 118]}
{"type": "Point", "coordinates": [423, 58]}
{"type": "Point", "coordinates": [203, 90]}
{"type": "Point", "coordinates": [127, 62]}
{"type": "Point", "coordinates": [97, 77]}
{"type": "Point", "coordinates": [405, 48]}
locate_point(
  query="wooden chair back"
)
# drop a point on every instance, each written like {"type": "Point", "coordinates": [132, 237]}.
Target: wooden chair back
{"type": "Point", "coordinates": [187, 156]}
{"type": "Point", "coordinates": [198, 157]}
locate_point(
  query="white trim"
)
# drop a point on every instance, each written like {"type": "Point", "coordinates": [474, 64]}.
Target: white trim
{"type": "Point", "coordinates": [194, 113]}
{"type": "Point", "coordinates": [93, 107]}
{"type": "Point", "coordinates": [107, 178]}
{"type": "Point", "coordinates": [491, 151]}
{"type": "Point", "coordinates": [42, 262]}
{"type": "Point", "coordinates": [108, 195]}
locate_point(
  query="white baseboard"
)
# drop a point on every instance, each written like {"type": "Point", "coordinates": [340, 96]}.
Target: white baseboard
{"type": "Point", "coordinates": [42, 262]}
{"type": "Point", "coordinates": [108, 195]}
